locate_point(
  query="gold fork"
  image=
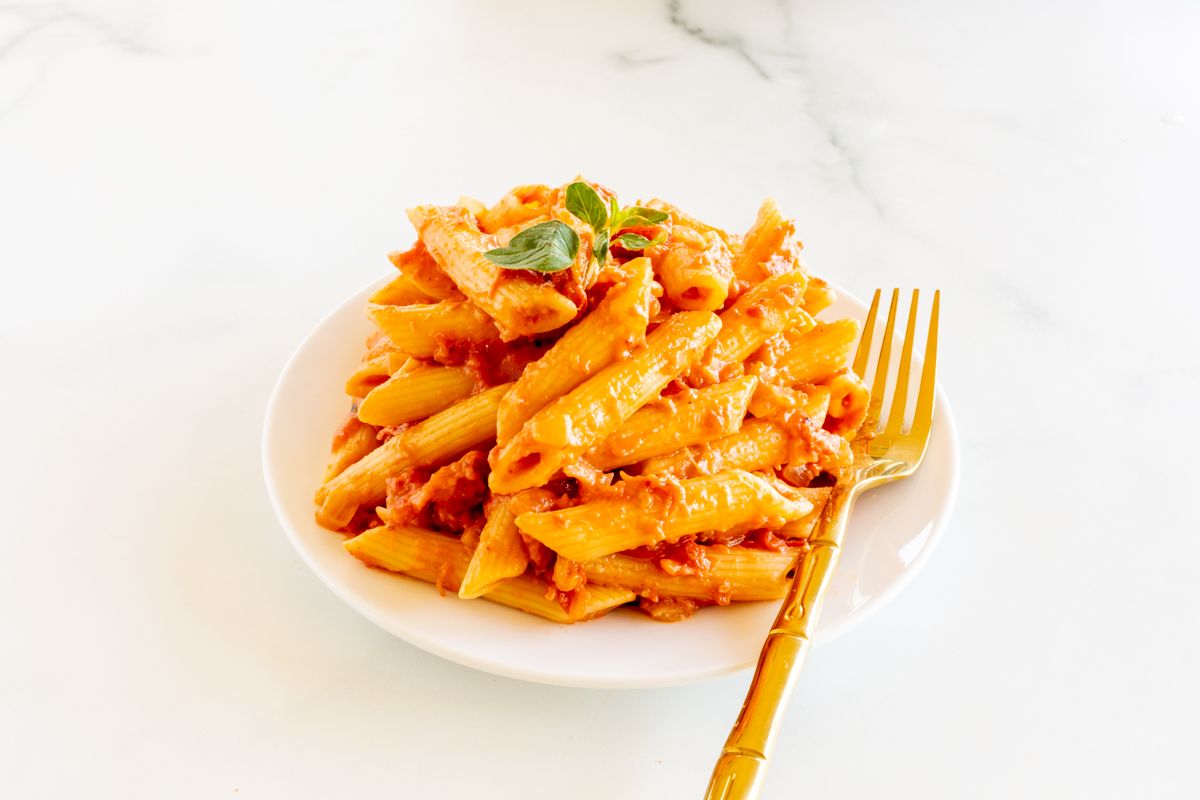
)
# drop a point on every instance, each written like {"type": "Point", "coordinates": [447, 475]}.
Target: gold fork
{"type": "Point", "coordinates": [884, 452]}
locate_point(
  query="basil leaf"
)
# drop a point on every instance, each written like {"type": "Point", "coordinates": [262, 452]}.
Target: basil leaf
{"type": "Point", "coordinates": [584, 203]}
{"type": "Point", "coordinates": [640, 217]}
{"type": "Point", "coordinates": [612, 208]}
{"type": "Point", "coordinates": [545, 247]}
{"type": "Point", "coordinates": [600, 250]}
{"type": "Point", "coordinates": [633, 241]}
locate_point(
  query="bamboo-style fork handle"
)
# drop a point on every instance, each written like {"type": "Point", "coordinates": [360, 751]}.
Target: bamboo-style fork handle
{"type": "Point", "coordinates": [885, 450]}
{"type": "Point", "coordinates": [741, 767]}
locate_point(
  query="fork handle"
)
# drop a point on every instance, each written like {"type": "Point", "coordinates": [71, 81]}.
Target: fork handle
{"type": "Point", "coordinates": [742, 765]}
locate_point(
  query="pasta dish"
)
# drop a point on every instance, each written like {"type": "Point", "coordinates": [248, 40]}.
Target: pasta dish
{"type": "Point", "coordinates": [568, 405]}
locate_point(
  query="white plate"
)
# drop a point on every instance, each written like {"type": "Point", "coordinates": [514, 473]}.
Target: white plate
{"type": "Point", "coordinates": [891, 534]}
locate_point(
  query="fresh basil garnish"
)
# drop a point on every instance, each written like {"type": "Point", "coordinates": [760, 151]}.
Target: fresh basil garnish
{"type": "Point", "coordinates": [545, 247]}
{"type": "Point", "coordinates": [584, 203]}
{"type": "Point", "coordinates": [633, 241]}
{"type": "Point", "coordinates": [636, 217]}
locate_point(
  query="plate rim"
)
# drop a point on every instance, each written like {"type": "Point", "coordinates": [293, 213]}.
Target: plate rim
{"type": "Point", "coordinates": [596, 681]}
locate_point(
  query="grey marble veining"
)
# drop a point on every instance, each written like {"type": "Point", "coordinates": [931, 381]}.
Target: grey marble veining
{"type": "Point", "coordinates": [733, 43]}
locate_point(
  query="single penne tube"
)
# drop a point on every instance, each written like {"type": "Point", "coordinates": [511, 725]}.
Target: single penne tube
{"type": "Point", "coordinates": [602, 336]}
{"type": "Point", "coordinates": [528, 594]}
{"type": "Point", "coordinates": [400, 291]}
{"type": "Point", "coordinates": [477, 207]}
{"type": "Point", "coordinates": [568, 427]}
{"type": "Point", "coordinates": [419, 268]}
{"type": "Point", "coordinates": [817, 406]}
{"type": "Point", "coordinates": [848, 400]}
{"type": "Point", "coordinates": [769, 248]}
{"type": "Point", "coordinates": [421, 330]}
{"type": "Point", "coordinates": [663, 427]}
{"type": "Point", "coordinates": [802, 528]}
{"type": "Point", "coordinates": [777, 346]}
{"type": "Point", "coordinates": [816, 355]}
{"type": "Point", "coordinates": [695, 271]}
{"type": "Point", "coordinates": [813, 496]}
{"type": "Point", "coordinates": [352, 441]}
{"type": "Point", "coordinates": [521, 304]}
{"type": "Point", "coordinates": [653, 512]}
{"type": "Point", "coordinates": [375, 371]}
{"type": "Point", "coordinates": [734, 573]}
{"type": "Point", "coordinates": [772, 399]}
{"type": "Point", "coordinates": [759, 444]}
{"type": "Point", "coordinates": [680, 217]}
{"type": "Point", "coordinates": [523, 204]}
{"type": "Point", "coordinates": [760, 313]}
{"type": "Point", "coordinates": [499, 555]}
{"type": "Point", "coordinates": [408, 396]}
{"type": "Point", "coordinates": [467, 424]}
{"type": "Point", "coordinates": [818, 296]}
{"type": "Point", "coordinates": [441, 559]}
{"type": "Point", "coordinates": [567, 575]}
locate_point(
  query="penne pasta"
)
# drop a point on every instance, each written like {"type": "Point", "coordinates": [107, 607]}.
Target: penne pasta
{"type": "Point", "coordinates": [529, 594]}
{"type": "Point", "coordinates": [816, 355]}
{"type": "Point", "coordinates": [520, 206]}
{"type": "Point", "coordinates": [400, 291]}
{"type": "Point", "coordinates": [564, 430]}
{"type": "Point", "coordinates": [669, 414]}
{"type": "Point", "coordinates": [418, 267]}
{"type": "Point", "coordinates": [409, 396]}
{"type": "Point", "coordinates": [802, 528]}
{"type": "Point", "coordinates": [442, 560]}
{"type": "Point", "coordinates": [476, 207]}
{"type": "Point", "coordinates": [653, 512]}
{"type": "Point", "coordinates": [696, 270]}
{"type": "Point", "coordinates": [375, 371]}
{"type": "Point", "coordinates": [499, 555]}
{"type": "Point", "coordinates": [681, 420]}
{"type": "Point", "coordinates": [520, 304]}
{"type": "Point", "coordinates": [771, 400]}
{"type": "Point", "coordinates": [466, 424]}
{"type": "Point", "coordinates": [769, 308]}
{"type": "Point", "coordinates": [423, 330]}
{"type": "Point", "coordinates": [732, 574]}
{"type": "Point", "coordinates": [818, 296]}
{"type": "Point", "coordinates": [682, 218]}
{"type": "Point", "coordinates": [758, 445]}
{"type": "Point", "coordinates": [601, 337]}
{"type": "Point", "coordinates": [848, 400]}
{"type": "Point", "coordinates": [352, 441]}
{"type": "Point", "coordinates": [769, 247]}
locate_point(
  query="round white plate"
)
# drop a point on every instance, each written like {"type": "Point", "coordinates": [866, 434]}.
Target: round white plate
{"type": "Point", "coordinates": [891, 533]}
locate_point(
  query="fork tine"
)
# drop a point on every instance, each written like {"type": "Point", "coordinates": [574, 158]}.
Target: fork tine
{"type": "Point", "coordinates": [895, 421]}
{"type": "Point", "coordinates": [923, 417]}
{"type": "Point", "coordinates": [881, 367]}
{"type": "Point", "coordinates": [864, 341]}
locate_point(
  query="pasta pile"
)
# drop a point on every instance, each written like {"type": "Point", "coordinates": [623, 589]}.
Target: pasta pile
{"type": "Point", "coordinates": [568, 407]}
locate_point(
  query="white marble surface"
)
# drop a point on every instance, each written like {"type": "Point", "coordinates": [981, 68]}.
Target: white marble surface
{"type": "Point", "coordinates": [185, 188]}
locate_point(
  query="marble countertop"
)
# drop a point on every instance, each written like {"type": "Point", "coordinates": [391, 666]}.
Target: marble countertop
{"type": "Point", "coordinates": [186, 188]}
